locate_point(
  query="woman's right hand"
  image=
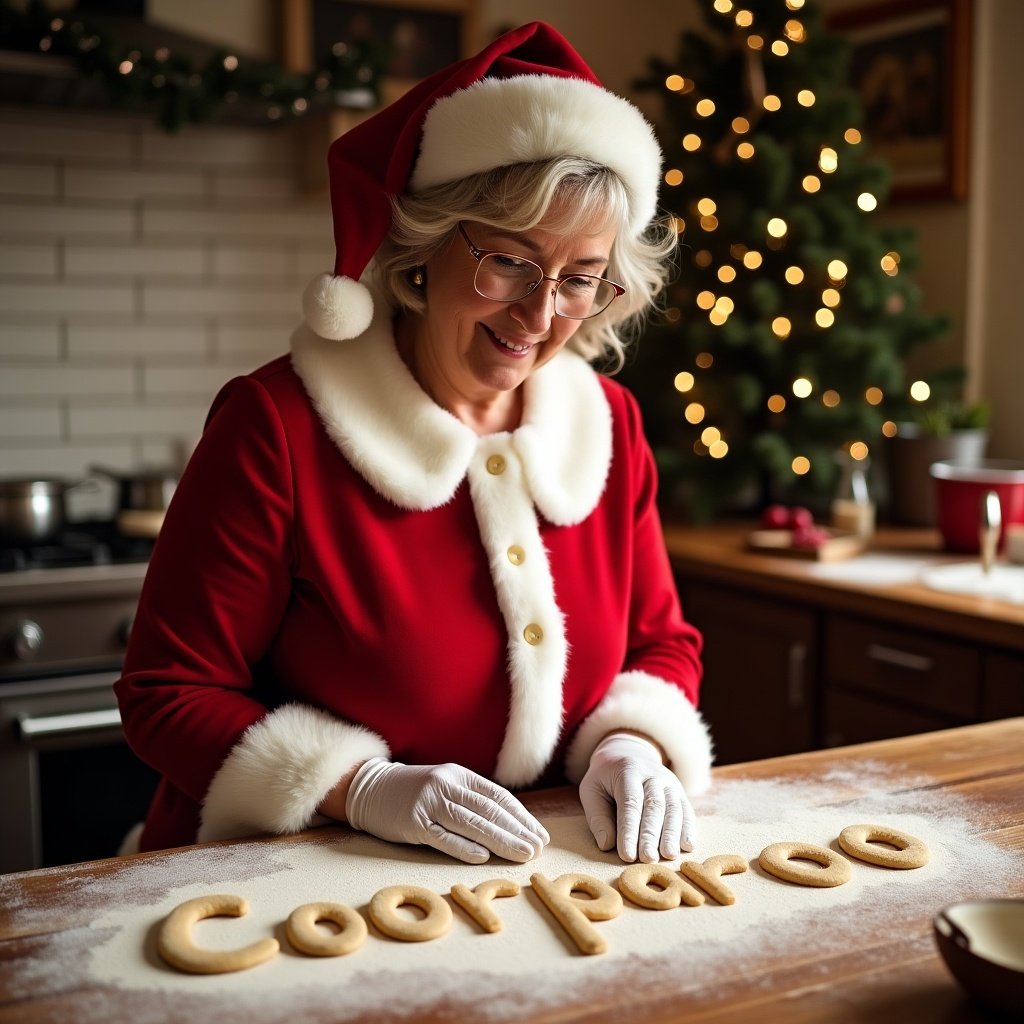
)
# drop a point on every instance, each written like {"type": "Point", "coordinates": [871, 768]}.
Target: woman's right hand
{"type": "Point", "coordinates": [444, 806]}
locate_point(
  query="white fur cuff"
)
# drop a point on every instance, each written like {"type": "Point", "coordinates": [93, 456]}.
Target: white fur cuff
{"type": "Point", "coordinates": [280, 771]}
{"type": "Point", "coordinates": [649, 705]}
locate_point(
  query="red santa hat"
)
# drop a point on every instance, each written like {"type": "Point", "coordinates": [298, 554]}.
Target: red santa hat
{"type": "Point", "coordinates": [526, 97]}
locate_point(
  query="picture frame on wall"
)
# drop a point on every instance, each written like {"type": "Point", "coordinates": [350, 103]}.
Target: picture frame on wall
{"type": "Point", "coordinates": [910, 65]}
{"type": "Point", "coordinates": [418, 37]}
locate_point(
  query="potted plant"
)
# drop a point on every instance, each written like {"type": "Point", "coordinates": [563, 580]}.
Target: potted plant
{"type": "Point", "coordinates": [948, 429]}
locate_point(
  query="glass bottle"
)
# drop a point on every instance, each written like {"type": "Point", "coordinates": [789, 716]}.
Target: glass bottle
{"type": "Point", "coordinates": [853, 511]}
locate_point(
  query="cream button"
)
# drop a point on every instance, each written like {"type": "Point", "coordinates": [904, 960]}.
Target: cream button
{"type": "Point", "coordinates": [533, 634]}
{"type": "Point", "coordinates": [516, 555]}
{"type": "Point", "coordinates": [496, 465]}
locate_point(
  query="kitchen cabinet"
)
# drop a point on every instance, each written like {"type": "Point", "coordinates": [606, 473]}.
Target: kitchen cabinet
{"type": "Point", "coordinates": [797, 660]}
{"type": "Point", "coordinates": [759, 693]}
{"type": "Point", "coordinates": [1003, 691]}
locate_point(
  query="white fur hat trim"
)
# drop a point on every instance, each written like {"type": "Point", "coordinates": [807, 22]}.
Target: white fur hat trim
{"type": "Point", "coordinates": [529, 118]}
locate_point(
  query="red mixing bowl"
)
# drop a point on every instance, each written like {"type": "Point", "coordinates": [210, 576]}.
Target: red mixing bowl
{"type": "Point", "coordinates": [959, 488]}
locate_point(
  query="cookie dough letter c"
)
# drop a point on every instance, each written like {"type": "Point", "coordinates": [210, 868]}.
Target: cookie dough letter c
{"type": "Point", "coordinates": [175, 944]}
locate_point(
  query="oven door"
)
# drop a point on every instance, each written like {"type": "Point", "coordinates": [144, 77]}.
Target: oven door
{"type": "Point", "coordinates": [71, 787]}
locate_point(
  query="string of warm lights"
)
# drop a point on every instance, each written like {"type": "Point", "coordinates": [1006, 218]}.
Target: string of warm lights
{"type": "Point", "coordinates": [179, 89]}
{"type": "Point", "coordinates": [815, 280]}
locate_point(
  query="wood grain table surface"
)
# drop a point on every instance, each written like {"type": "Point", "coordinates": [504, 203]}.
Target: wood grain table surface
{"type": "Point", "coordinates": [888, 972]}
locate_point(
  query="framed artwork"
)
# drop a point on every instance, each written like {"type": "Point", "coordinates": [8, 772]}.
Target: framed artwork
{"type": "Point", "coordinates": [419, 36]}
{"type": "Point", "coordinates": [910, 65]}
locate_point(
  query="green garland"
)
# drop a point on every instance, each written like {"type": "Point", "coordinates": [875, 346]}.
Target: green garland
{"type": "Point", "coordinates": [181, 91]}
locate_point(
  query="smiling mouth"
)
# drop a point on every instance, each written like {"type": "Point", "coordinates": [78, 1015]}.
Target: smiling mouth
{"type": "Point", "coordinates": [508, 346]}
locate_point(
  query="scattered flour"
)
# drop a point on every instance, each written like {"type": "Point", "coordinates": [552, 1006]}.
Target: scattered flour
{"type": "Point", "coordinates": [530, 964]}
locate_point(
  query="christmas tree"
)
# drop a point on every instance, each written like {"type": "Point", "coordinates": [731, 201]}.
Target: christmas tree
{"type": "Point", "coordinates": [788, 324]}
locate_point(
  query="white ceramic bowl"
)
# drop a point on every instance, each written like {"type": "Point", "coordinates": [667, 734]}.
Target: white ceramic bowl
{"type": "Point", "coordinates": [982, 942]}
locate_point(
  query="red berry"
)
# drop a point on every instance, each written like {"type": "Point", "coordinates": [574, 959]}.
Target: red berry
{"type": "Point", "coordinates": [809, 537]}
{"type": "Point", "coordinates": [800, 518]}
{"type": "Point", "coordinates": [775, 517]}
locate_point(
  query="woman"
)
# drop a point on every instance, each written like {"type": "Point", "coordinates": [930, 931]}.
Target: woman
{"type": "Point", "coordinates": [417, 564]}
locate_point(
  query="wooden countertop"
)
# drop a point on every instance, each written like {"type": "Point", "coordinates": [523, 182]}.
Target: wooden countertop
{"type": "Point", "coordinates": [888, 970]}
{"type": "Point", "coordinates": [718, 553]}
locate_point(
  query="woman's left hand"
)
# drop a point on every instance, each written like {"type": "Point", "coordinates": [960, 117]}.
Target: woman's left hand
{"type": "Point", "coordinates": [633, 801]}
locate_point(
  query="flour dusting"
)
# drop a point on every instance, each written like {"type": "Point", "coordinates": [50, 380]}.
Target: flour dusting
{"type": "Point", "coordinates": [530, 964]}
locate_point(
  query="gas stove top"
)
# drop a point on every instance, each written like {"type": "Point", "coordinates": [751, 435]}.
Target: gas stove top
{"type": "Point", "coordinates": [84, 543]}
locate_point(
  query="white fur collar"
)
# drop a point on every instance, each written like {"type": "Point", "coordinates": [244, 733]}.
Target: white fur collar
{"type": "Point", "coordinates": [415, 454]}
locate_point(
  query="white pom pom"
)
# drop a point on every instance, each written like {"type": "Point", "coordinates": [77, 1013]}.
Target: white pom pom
{"type": "Point", "coordinates": [337, 307]}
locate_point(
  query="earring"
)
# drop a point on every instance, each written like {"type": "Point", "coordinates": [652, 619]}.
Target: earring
{"type": "Point", "coordinates": [418, 277]}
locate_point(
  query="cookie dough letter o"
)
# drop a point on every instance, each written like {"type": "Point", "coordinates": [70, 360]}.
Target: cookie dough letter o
{"type": "Point", "coordinates": [175, 944]}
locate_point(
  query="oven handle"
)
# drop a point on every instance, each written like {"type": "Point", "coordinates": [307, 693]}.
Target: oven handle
{"type": "Point", "coordinates": [50, 726]}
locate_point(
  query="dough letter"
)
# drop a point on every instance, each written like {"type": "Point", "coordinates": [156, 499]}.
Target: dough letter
{"type": "Point", "coordinates": [861, 841]}
{"type": "Point", "coordinates": [709, 875]}
{"type": "Point", "coordinates": [780, 860]}
{"type": "Point", "coordinates": [175, 945]}
{"type": "Point", "coordinates": [477, 901]}
{"type": "Point", "coordinates": [385, 903]}
{"type": "Point", "coordinates": [304, 936]}
{"type": "Point", "coordinates": [575, 915]}
{"type": "Point", "coordinates": [657, 887]}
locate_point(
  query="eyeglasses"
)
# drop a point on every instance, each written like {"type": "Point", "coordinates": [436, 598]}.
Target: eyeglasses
{"type": "Point", "coordinates": [507, 278]}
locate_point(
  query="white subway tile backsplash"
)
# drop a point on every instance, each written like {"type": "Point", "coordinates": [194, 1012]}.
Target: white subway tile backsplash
{"type": "Point", "coordinates": [115, 183]}
{"type": "Point", "coordinates": [67, 136]}
{"type": "Point", "coordinates": [222, 222]}
{"type": "Point", "coordinates": [146, 341]}
{"type": "Point", "coordinates": [224, 300]}
{"type": "Point", "coordinates": [29, 341]}
{"type": "Point", "coordinates": [82, 259]}
{"type": "Point", "coordinates": [69, 461]}
{"type": "Point", "coordinates": [27, 179]}
{"type": "Point", "coordinates": [149, 419]}
{"type": "Point", "coordinates": [316, 260]}
{"type": "Point", "coordinates": [199, 384]}
{"type": "Point", "coordinates": [35, 220]}
{"type": "Point", "coordinates": [28, 260]}
{"type": "Point", "coordinates": [65, 379]}
{"type": "Point", "coordinates": [29, 297]}
{"type": "Point", "coordinates": [252, 186]}
{"type": "Point", "coordinates": [268, 149]}
{"type": "Point", "coordinates": [139, 272]}
{"type": "Point", "coordinates": [258, 339]}
{"type": "Point", "coordinates": [251, 261]}
{"type": "Point", "coordinates": [39, 421]}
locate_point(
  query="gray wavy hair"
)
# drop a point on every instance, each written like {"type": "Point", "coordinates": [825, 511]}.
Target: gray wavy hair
{"type": "Point", "coordinates": [516, 198]}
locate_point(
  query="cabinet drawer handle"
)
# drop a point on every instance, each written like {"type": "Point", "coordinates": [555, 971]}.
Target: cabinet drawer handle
{"type": "Point", "coordinates": [901, 659]}
{"type": "Point", "coordinates": [795, 682]}
{"type": "Point", "coordinates": [74, 724]}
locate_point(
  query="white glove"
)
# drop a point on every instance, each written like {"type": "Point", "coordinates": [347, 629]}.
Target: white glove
{"type": "Point", "coordinates": [444, 806]}
{"type": "Point", "coordinates": [633, 801]}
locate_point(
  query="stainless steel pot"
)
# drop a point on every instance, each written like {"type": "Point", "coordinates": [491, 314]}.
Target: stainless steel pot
{"type": "Point", "coordinates": [32, 510]}
{"type": "Point", "coordinates": [142, 490]}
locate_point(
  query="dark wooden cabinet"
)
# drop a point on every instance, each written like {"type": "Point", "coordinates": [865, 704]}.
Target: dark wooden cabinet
{"type": "Point", "coordinates": [1003, 688]}
{"type": "Point", "coordinates": [795, 660]}
{"type": "Point", "coordinates": [758, 695]}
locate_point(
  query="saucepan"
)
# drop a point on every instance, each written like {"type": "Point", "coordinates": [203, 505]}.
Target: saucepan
{"type": "Point", "coordinates": [33, 510]}
{"type": "Point", "coordinates": [148, 490]}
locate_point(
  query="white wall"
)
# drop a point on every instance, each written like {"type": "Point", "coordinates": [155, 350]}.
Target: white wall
{"type": "Point", "coordinates": [992, 250]}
